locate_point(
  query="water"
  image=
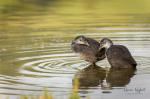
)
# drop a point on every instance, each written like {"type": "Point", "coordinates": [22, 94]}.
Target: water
{"type": "Point", "coordinates": [35, 51]}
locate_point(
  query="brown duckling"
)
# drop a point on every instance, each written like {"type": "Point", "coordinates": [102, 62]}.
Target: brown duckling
{"type": "Point", "coordinates": [117, 55]}
{"type": "Point", "coordinates": [88, 49]}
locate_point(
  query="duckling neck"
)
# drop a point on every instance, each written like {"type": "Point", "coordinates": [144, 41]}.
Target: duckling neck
{"type": "Point", "coordinates": [108, 45]}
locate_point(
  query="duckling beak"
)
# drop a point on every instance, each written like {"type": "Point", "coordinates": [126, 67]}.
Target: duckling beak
{"type": "Point", "coordinates": [101, 47]}
{"type": "Point", "coordinates": [82, 43]}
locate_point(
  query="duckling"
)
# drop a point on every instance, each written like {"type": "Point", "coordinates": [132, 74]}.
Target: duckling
{"type": "Point", "coordinates": [117, 55]}
{"type": "Point", "coordinates": [88, 49]}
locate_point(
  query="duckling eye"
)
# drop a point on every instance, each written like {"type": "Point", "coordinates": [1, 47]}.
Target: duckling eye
{"type": "Point", "coordinates": [104, 42]}
{"type": "Point", "coordinates": [80, 39]}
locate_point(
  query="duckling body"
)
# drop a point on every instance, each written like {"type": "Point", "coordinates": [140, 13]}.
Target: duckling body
{"type": "Point", "coordinates": [118, 55]}
{"type": "Point", "coordinates": [88, 49]}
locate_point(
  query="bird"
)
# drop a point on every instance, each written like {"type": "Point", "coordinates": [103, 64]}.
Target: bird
{"type": "Point", "coordinates": [118, 56]}
{"type": "Point", "coordinates": [88, 49]}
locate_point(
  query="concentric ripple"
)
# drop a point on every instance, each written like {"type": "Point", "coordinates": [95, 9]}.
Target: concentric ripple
{"type": "Point", "coordinates": [62, 64]}
{"type": "Point", "coordinates": [54, 65]}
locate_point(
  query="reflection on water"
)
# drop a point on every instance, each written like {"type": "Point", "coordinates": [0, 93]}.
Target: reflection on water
{"type": "Point", "coordinates": [119, 78]}
{"type": "Point", "coordinates": [93, 76]}
{"type": "Point", "coordinates": [35, 53]}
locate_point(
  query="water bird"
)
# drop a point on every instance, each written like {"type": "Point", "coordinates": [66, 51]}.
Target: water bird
{"type": "Point", "coordinates": [117, 55]}
{"type": "Point", "coordinates": [88, 49]}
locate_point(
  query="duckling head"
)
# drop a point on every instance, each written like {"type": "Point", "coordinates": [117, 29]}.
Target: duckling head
{"type": "Point", "coordinates": [105, 43]}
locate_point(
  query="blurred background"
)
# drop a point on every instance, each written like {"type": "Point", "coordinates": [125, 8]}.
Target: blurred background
{"type": "Point", "coordinates": [48, 17]}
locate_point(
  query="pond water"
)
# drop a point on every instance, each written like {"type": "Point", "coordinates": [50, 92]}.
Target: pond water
{"type": "Point", "coordinates": [35, 53]}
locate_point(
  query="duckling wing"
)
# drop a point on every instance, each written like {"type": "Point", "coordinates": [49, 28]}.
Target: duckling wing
{"type": "Point", "coordinates": [120, 52]}
{"type": "Point", "coordinates": [101, 54]}
{"type": "Point", "coordinates": [94, 45]}
{"type": "Point", "coordinates": [127, 55]}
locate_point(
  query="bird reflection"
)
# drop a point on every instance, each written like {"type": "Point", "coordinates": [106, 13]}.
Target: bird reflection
{"type": "Point", "coordinates": [119, 77]}
{"type": "Point", "coordinates": [90, 76]}
{"type": "Point", "coordinates": [93, 76]}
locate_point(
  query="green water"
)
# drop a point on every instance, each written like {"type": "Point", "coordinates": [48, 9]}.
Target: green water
{"type": "Point", "coordinates": [35, 53]}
